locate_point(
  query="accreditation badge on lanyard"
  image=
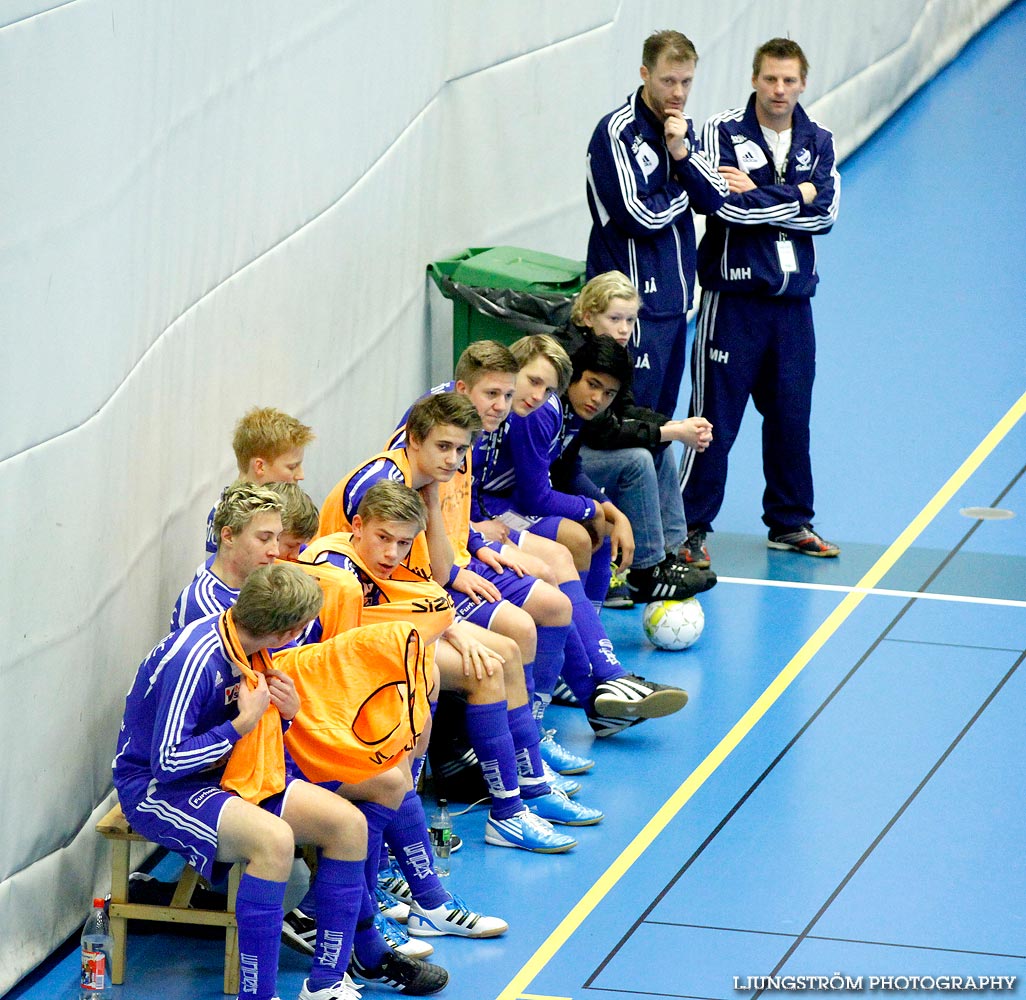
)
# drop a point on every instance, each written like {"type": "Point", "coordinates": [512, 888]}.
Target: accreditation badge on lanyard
{"type": "Point", "coordinates": [785, 248]}
{"type": "Point", "coordinates": [785, 254]}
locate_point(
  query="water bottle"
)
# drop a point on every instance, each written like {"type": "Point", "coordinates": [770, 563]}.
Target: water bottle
{"type": "Point", "coordinates": [441, 835]}
{"type": "Point", "coordinates": [96, 950]}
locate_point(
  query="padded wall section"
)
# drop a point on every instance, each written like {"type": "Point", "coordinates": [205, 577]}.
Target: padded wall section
{"type": "Point", "coordinates": [212, 206]}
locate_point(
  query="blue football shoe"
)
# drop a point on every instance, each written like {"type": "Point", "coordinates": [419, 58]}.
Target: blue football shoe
{"type": "Point", "coordinates": [560, 783]}
{"type": "Point", "coordinates": [557, 808]}
{"type": "Point", "coordinates": [561, 760]}
{"type": "Point", "coordinates": [528, 832]}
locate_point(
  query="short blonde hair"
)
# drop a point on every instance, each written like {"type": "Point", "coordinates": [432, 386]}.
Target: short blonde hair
{"type": "Point", "coordinates": [267, 433]}
{"type": "Point", "coordinates": [240, 503]}
{"type": "Point", "coordinates": [526, 349]}
{"type": "Point", "coordinates": [299, 515]}
{"type": "Point", "coordinates": [483, 357]}
{"type": "Point", "coordinates": [596, 295]}
{"type": "Point", "coordinates": [277, 598]}
{"type": "Point", "coordinates": [392, 501]}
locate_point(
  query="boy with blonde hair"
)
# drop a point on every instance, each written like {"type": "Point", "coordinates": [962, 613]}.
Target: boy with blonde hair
{"type": "Point", "coordinates": [269, 447]}
{"type": "Point", "coordinates": [627, 451]}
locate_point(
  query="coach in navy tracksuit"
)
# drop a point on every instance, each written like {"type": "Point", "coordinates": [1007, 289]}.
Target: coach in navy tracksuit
{"type": "Point", "coordinates": [645, 174]}
{"type": "Point", "coordinates": [757, 267]}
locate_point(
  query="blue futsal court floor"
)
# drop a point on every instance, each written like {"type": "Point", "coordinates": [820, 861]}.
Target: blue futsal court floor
{"type": "Point", "coordinates": [844, 792]}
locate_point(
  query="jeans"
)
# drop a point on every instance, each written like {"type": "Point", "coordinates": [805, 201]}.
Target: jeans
{"type": "Point", "coordinates": [630, 481]}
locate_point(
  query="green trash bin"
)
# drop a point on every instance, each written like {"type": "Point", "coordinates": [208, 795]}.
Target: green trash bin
{"type": "Point", "coordinates": [503, 293]}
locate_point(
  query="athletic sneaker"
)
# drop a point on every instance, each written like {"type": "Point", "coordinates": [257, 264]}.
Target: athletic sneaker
{"type": "Point", "coordinates": [390, 906]}
{"type": "Point", "coordinates": [557, 808]}
{"type": "Point", "coordinates": [610, 725]}
{"type": "Point", "coordinates": [528, 832]}
{"type": "Point", "coordinates": [670, 580]}
{"type": "Point", "coordinates": [562, 695]}
{"type": "Point", "coordinates": [344, 989]}
{"type": "Point", "coordinates": [455, 843]}
{"type": "Point", "coordinates": [399, 941]}
{"type": "Point", "coordinates": [454, 917]}
{"type": "Point", "coordinates": [393, 881]}
{"type": "Point", "coordinates": [618, 597]}
{"type": "Point", "coordinates": [803, 540]}
{"type": "Point", "coordinates": [632, 697]}
{"type": "Point", "coordinates": [561, 760]}
{"type": "Point", "coordinates": [560, 782]}
{"type": "Point", "coordinates": [408, 975]}
{"type": "Point", "coordinates": [694, 551]}
{"type": "Point", "coordinates": [299, 931]}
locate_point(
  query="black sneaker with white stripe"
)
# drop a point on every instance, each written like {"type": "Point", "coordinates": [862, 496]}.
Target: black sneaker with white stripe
{"type": "Point", "coordinates": [632, 698]}
{"type": "Point", "coordinates": [670, 580]}
{"type": "Point", "coordinates": [299, 931]}
{"type": "Point", "coordinates": [413, 976]}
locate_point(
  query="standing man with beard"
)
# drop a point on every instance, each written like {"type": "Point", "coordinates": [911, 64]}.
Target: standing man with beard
{"type": "Point", "coordinates": [646, 174]}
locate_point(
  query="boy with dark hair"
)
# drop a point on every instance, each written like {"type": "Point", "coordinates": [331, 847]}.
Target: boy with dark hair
{"type": "Point", "coordinates": [512, 472]}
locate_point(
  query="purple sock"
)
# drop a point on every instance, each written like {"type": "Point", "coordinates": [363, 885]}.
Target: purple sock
{"type": "Point", "coordinates": [368, 944]}
{"type": "Point", "coordinates": [417, 769]}
{"type": "Point", "coordinates": [258, 912]}
{"type": "Point", "coordinates": [530, 770]}
{"type": "Point", "coordinates": [378, 817]}
{"type": "Point", "coordinates": [577, 667]}
{"type": "Point", "coordinates": [601, 655]}
{"type": "Point", "coordinates": [548, 664]}
{"type": "Point", "coordinates": [597, 585]}
{"type": "Point", "coordinates": [339, 889]}
{"type": "Point", "coordinates": [488, 732]}
{"type": "Point", "coordinates": [407, 835]}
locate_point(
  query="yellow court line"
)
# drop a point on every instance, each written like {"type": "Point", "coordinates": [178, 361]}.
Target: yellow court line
{"type": "Point", "coordinates": [695, 780]}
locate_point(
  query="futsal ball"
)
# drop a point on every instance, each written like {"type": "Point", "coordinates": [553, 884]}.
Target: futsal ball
{"type": "Point", "coordinates": [673, 625]}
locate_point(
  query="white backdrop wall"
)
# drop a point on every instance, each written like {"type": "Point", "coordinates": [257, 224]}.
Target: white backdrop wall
{"type": "Point", "coordinates": [206, 206]}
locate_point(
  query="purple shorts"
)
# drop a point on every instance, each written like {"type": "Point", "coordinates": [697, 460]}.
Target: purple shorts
{"type": "Point", "coordinates": [183, 816]}
{"type": "Point", "coordinates": [515, 589]}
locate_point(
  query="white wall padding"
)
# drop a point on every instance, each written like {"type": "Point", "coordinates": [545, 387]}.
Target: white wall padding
{"type": "Point", "coordinates": [208, 206]}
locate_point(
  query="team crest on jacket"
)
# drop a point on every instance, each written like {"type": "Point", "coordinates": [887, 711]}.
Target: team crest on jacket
{"type": "Point", "coordinates": [803, 159]}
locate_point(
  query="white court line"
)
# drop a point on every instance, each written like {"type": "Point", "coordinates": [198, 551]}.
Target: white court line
{"type": "Point", "coordinates": [874, 591]}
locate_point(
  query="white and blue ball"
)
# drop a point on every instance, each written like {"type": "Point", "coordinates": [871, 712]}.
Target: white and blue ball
{"type": "Point", "coordinates": [673, 625]}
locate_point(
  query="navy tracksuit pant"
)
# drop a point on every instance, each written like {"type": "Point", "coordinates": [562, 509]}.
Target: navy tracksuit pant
{"type": "Point", "coordinates": [660, 357]}
{"type": "Point", "coordinates": [763, 347]}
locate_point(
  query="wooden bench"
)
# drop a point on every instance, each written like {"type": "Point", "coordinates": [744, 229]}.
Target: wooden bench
{"type": "Point", "coordinates": [115, 828]}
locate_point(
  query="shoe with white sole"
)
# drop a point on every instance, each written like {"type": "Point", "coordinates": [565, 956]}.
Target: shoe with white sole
{"type": "Point", "coordinates": [559, 782]}
{"type": "Point", "coordinates": [344, 989]}
{"type": "Point", "coordinates": [453, 917]}
{"type": "Point", "coordinates": [528, 832]}
{"type": "Point", "coordinates": [391, 907]}
{"type": "Point", "coordinates": [561, 760]}
{"type": "Point", "coordinates": [393, 881]}
{"type": "Point", "coordinates": [399, 941]}
{"type": "Point", "coordinates": [557, 808]}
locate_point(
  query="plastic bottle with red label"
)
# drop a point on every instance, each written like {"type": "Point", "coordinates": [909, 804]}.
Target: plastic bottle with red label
{"type": "Point", "coordinates": [96, 949]}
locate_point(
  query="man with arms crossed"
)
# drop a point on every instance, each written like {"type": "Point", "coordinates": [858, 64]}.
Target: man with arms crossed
{"type": "Point", "coordinates": [757, 265]}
